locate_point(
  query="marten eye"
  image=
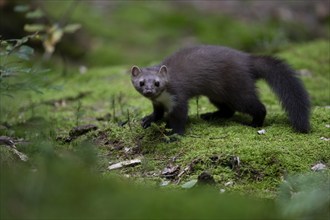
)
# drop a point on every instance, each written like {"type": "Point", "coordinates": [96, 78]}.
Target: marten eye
{"type": "Point", "coordinates": [141, 83]}
{"type": "Point", "coordinates": [157, 83]}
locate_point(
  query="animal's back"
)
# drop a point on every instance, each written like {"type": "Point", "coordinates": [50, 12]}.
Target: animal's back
{"type": "Point", "coordinates": [210, 71]}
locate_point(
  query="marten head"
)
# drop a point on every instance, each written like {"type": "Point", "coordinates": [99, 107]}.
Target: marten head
{"type": "Point", "coordinates": [150, 82]}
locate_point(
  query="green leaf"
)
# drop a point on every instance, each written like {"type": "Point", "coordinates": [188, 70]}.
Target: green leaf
{"type": "Point", "coordinates": [35, 89]}
{"type": "Point", "coordinates": [6, 94]}
{"type": "Point", "coordinates": [25, 52]}
{"type": "Point", "coordinates": [21, 8]}
{"type": "Point", "coordinates": [3, 43]}
{"type": "Point", "coordinates": [21, 41]}
{"type": "Point", "coordinates": [35, 14]}
{"type": "Point", "coordinates": [189, 184]}
{"type": "Point", "coordinates": [13, 71]}
{"type": "Point", "coordinates": [34, 27]}
{"type": "Point", "coordinates": [26, 49]}
{"type": "Point", "coordinates": [9, 47]}
{"type": "Point", "coordinates": [3, 53]}
{"type": "Point", "coordinates": [23, 56]}
{"type": "Point", "coordinates": [25, 70]}
{"type": "Point", "coordinates": [71, 28]}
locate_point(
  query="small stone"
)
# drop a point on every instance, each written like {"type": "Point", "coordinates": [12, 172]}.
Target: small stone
{"type": "Point", "coordinates": [222, 190]}
{"type": "Point", "coordinates": [305, 72]}
{"type": "Point", "coordinates": [325, 139]}
{"type": "Point", "coordinates": [230, 183]}
{"type": "Point", "coordinates": [165, 183]}
{"type": "Point", "coordinates": [319, 167]}
{"type": "Point", "coordinates": [262, 131]}
{"type": "Point", "coordinates": [127, 149]}
{"type": "Point", "coordinates": [82, 69]}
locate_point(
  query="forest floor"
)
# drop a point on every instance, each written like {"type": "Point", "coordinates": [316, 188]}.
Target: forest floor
{"type": "Point", "coordinates": [93, 118]}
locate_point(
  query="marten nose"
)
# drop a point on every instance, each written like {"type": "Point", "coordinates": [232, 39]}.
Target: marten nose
{"type": "Point", "coordinates": [147, 92]}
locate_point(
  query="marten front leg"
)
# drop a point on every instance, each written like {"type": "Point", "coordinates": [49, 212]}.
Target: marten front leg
{"type": "Point", "coordinates": [156, 115]}
{"type": "Point", "coordinates": [177, 118]}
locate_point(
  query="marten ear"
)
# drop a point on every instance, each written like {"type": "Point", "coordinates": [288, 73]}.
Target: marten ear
{"type": "Point", "coordinates": [135, 71]}
{"type": "Point", "coordinates": [163, 70]}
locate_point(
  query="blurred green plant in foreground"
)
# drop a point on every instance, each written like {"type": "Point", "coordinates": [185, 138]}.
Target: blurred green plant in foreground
{"type": "Point", "coordinates": [13, 56]}
{"type": "Point", "coordinates": [62, 188]}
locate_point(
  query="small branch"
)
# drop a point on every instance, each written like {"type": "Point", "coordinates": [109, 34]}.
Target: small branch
{"type": "Point", "coordinates": [113, 105]}
{"type": "Point", "coordinates": [197, 106]}
{"type": "Point", "coordinates": [129, 121]}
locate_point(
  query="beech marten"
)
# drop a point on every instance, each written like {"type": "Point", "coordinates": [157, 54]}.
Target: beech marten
{"type": "Point", "coordinates": [227, 77]}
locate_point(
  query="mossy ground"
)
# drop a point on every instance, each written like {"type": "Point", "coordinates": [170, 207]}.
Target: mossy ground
{"type": "Point", "coordinates": [265, 160]}
{"type": "Point", "coordinates": [72, 179]}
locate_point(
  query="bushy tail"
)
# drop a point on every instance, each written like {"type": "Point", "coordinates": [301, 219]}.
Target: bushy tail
{"type": "Point", "coordinates": [290, 90]}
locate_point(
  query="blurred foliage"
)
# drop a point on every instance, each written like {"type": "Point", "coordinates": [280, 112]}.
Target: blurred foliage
{"type": "Point", "coordinates": [306, 196]}
{"type": "Point", "coordinates": [13, 56]}
{"type": "Point", "coordinates": [67, 187]}
{"type": "Point", "coordinates": [124, 33]}
{"type": "Point", "coordinates": [62, 188]}
{"type": "Point", "coordinates": [49, 33]}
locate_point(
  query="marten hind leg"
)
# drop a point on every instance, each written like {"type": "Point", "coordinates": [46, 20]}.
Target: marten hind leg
{"type": "Point", "coordinates": [224, 111]}
{"type": "Point", "coordinates": [254, 108]}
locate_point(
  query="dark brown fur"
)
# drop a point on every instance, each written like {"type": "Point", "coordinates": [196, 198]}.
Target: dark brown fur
{"type": "Point", "coordinates": [227, 77]}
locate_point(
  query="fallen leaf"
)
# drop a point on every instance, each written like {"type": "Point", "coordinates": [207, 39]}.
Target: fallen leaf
{"type": "Point", "coordinates": [262, 131]}
{"type": "Point", "coordinates": [189, 184]}
{"type": "Point", "coordinates": [319, 167]}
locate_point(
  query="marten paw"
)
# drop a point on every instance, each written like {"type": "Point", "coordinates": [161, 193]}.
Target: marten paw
{"type": "Point", "coordinates": [209, 116]}
{"type": "Point", "coordinates": [146, 121]}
